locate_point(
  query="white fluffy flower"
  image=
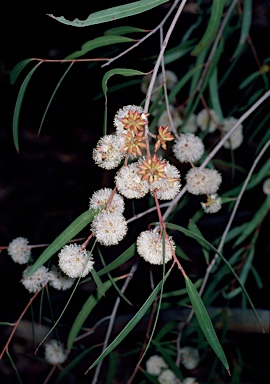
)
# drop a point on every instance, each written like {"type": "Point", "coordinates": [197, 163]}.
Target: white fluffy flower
{"type": "Point", "coordinates": [37, 280]}
{"type": "Point", "coordinates": [206, 122]}
{"type": "Point", "coordinates": [167, 377]}
{"type": "Point", "coordinates": [59, 280]}
{"type": "Point", "coordinates": [75, 261]}
{"type": "Point", "coordinates": [101, 197]}
{"type": "Point", "coordinates": [266, 186]}
{"type": "Point", "coordinates": [190, 357]}
{"type": "Point", "coordinates": [155, 364]}
{"type": "Point", "coordinates": [171, 79]}
{"type": "Point", "coordinates": [190, 126]}
{"type": "Point", "coordinates": [164, 120]}
{"type": "Point", "coordinates": [202, 181]}
{"type": "Point", "coordinates": [109, 228]}
{"type": "Point", "coordinates": [188, 148]}
{"type": "Point", "coordinates": [190, 380]}
{"type": "Point", "coordinates": [129, 182]}
{"type": "Point", "coordinates": [19, 250]}
{"type": "Point", "coordinates": [213, 204]}
{"type": "Point", "coordinates": [122, 113]}
{"type": "Point", "coordinates": [167, 189]}
{"type": "Point", "coordinates": [54, 352]}
{"type": "Point", "coordinates": [236, 138]}
{"type": "Point", "coordinates": [150, 247]}
{"type": "Point", "coordinates": [109, 151]}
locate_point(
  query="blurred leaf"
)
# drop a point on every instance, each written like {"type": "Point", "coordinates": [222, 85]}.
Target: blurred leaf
{"type": "Point", "coordinates": [131, 324]}
{"type": "Point", "coordinates": [76, 360]}
{"type": "Point", "coordinates": [72, 230]}
{"type": "Point", "coordinates": [243, 276]}
{"type": "Point", "coordinates": [114, 13]}
{"type": "Point", "coordinates": [257, 277]}
{"type": "Point", "coordinates": [18, 105]}
{"type": "Point", "coordinates": [210, 246]}
{"type": "Point", "coordinates": [214, 95]}
{"type": "Point", "coordinates": [193, 228]}
{"type": "Point", "coordinates": [212, 27]}
{"type": "Point", "coordinates": [245, 27]}
{"type": "Point", "coordinates": [90, 303]}
{"type": "Point", "coordinates": [18, 378]}
{"type": "Point", "coordinates": [113, 360]}
{"type": "Point", "coordinates": [98, 281]}
{"type": "Point", "coordinates": [96, 43]}
{"type": "Point", "coordinates": [205, 322]}
{"type": "Point", "coordinates": [249, 79]}
{"type": "Point", "coordinates": [177, 52]}
{"type": "Point", "coordinates": [250, 226]}
{"type": "Point", "coordinates": [123, 30]}
{"type": "Point", "coordinates": [14, 74]}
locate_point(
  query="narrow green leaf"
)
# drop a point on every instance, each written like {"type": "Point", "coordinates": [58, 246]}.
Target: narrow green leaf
{"type": "Point", "coordinates": [194, 228]}
{"type": "Point", "coordinates": [210, 246]}
{"type": "Point", "coordinates": [131, 324]}
{"type": "Point", "coordinates": [125, 256]}
{"type": "Point", "coordinates": [177, 52]}
{"type": "Point", "coordinates": [18, 105]}
{"type": "Point", "coordinates": [90, 303]}
{"type": "Point", "coordinates": [14, 74]}
{"type": "Point", "coordinates": [18, 378]}
{"type": "Point", "coordinates": [123, 30]}
{"type": "Point", "coordinates": [96, 43]}
{"type": "Point", "coordinates": [251, 225]}
{"type": "Point", "coordinates": [116, 71]}
{"type": "Point", "coordinates": [245, 27]}
{"type": "Point", "coordinates": [53, 94]}
{"type": "Point", "coordinates": [98, 281]}
{"type": "Point", "coordinates": [249, 79]}
{"type": "Point", "coordinates": [114, 13]}
{"type": "Point", "coordinates": [205, 322]}
{"type": "Point", "coordinates": [76, 360]}
{"type": "Point", "coordinates": [212, 27]}
{"type": "Point", "coordinates": [72, 230]}
{"type": "Point", "coordinates": [214, 95]}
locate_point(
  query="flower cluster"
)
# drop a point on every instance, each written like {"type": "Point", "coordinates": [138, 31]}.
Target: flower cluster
{"type": "Point", "coordinates": [156, 366]}
{"type": "Point", "coordinates": [144, 172]}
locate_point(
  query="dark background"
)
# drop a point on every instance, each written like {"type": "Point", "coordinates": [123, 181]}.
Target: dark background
{"type": "Point", "coordinates": [45, 186]}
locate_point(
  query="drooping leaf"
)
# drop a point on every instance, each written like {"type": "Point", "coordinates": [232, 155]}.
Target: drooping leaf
{"type": "Point", "coordinates": [52, 96]}
{"type": "Point", "coordinates": [250, 226]}
{"type": "Point", "coordinates": [245, 27]}
{"type": "Point", "coordinates": [210, 246]}
{"type": "Point", "coordinates": [14, 74]}
{"type": "Point", "coordinates": [131, 324]}
{"type": "Point", "coordinates": [116, 71]}
{"type": "Point", "coordinates": [17, 109]}
{"type": "Point", "coordinates": [98, 42]}
{"type": "Point", "coordinates": [212, 27]}
{"type": "Point", "coordinates": [88, 306]}
{"type": "Point", "coordinates": [72, 230]}
{"type": "Point", "coordinates": [123, 30]}
{"type": "Point", "coordinates": [205, 322]}
{"type": "Point", "coordinates": [114, 13]}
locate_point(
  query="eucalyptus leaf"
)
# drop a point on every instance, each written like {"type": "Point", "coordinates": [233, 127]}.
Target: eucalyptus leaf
{"type": "Point", "coordinates": [112, 14]}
